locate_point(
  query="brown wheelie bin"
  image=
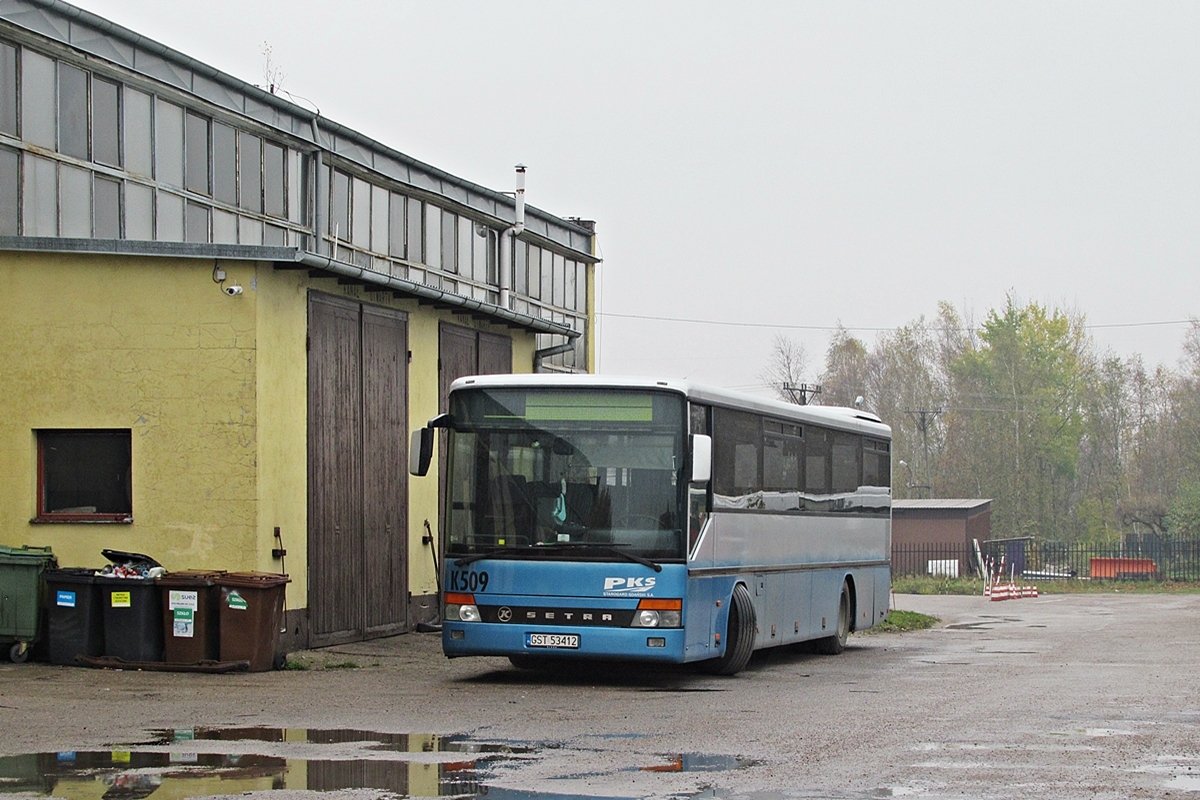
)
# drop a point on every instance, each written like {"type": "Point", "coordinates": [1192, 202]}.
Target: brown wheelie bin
{"type": "Point", "coordinates": [251, 617]}
{"type": "Point", "coordinates": [190, 600]}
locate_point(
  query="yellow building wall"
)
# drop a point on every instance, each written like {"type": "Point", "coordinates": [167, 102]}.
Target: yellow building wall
{"type": "Point", "coordinates": [281, 306]}
{"type": "Point", "coordinates": [147, 344]}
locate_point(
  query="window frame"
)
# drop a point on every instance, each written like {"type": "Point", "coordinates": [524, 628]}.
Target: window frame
{"type": "Point", "coordinates": [45, 515]}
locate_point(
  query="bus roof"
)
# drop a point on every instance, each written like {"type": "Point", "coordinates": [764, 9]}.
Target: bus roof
{"type": "Point", "coordinates": [849, 419]}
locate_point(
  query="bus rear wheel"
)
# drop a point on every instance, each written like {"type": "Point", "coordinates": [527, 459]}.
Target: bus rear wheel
{"type": "Point", "coordinates": [739, 636]}
{"type": "Point", "coordinates": [832, 645]}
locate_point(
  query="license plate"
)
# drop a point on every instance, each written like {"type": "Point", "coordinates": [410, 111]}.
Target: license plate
{"type": "Point", "coordinates": [562, 641]}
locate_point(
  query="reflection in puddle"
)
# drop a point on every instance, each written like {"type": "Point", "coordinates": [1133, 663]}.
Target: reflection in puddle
{"type": "Point", "coordinates": [182, 763]}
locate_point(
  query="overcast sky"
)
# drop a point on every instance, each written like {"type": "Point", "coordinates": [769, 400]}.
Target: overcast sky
{"type": "Point", "coordinates": [788, 164]}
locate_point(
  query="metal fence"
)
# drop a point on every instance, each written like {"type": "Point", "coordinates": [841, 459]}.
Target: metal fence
{"type": "Point", "coordinates": [1145, 558]}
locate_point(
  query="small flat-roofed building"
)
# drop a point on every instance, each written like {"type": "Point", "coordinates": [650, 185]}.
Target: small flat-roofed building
{"type": "Point", "coordinates": [223, 313]}
{"type": "Point", "coordinates": [935, 536]}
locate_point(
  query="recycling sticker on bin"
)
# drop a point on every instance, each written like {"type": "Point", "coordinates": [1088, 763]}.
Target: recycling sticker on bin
{"type": "Point", "coordinates": [183, 607]}
{"type": "Point", "coordinates": [236, 601]}
{"type": "Point", "coordinates": [183, 622]}
{"type": "Point", "coordinates": [65, 599]}
{"type": "Point", "coordinates": [121, 600]}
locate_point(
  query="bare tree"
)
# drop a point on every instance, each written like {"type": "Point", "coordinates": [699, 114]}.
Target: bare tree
{"type": "Point", "coordinates": [785, 369]}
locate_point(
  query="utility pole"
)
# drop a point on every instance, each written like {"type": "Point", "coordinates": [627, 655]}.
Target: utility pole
{"type": "Point", "coordinates": [923, 417]}
{"type": "Point", "coordinates": [802, 393]}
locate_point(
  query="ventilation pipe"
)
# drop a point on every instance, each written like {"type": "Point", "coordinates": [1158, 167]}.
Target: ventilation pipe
{"type": "Point", "coordinates": [506, 239]}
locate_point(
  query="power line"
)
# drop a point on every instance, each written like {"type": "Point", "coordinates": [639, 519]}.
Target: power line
{"type": "Point", "coordinates": [732, 324]}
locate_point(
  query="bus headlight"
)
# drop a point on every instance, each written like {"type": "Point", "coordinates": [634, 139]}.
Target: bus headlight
{"type": "Point", "coordinates": [461, 608]}
{"type": "Point", "coordinates": [653, 613]}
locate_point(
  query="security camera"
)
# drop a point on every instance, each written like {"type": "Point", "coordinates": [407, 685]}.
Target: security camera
{"type": "Point", "coordinates": [233, 291]}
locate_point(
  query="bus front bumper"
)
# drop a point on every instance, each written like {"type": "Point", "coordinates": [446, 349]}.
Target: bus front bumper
{"type": "Point", "coordinates": [491, 639]}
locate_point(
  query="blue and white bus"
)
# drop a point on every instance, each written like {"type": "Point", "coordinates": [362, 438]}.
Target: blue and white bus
{"type": "Point", "coordinates": [658, 520]}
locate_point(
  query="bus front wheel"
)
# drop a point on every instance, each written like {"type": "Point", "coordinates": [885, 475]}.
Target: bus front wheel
{"type": "Point", "coordinates": [739, 635]}
{"type": "Point", "coordinates": [832, 645]}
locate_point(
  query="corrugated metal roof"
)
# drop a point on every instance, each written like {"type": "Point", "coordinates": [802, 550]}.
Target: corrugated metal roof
{"type": "Point", "coordinates": [942, 503]}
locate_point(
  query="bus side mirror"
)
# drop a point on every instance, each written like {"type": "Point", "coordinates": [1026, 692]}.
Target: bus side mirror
{"type": "Point", "coordinates": [701, 458]}
{"type": "Point", "coordinates": [420, 451]}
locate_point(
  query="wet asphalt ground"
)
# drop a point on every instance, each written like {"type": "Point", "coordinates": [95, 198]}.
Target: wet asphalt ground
{"type": "Point", "coordinates": [1067, 696]}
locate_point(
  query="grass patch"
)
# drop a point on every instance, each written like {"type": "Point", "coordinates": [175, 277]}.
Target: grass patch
{"type": "Point", "coordinates": [296, 664]}
{"type": "Point", "coordinates": [898, 621]}
{"type": "Point", "coordinates": [927, 584]}
{"type": "Point", "coordinates": [347, 664]}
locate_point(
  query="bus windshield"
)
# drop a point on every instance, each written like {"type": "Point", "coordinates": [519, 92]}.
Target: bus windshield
{"type": "Point", "coordinates": [566, 474]}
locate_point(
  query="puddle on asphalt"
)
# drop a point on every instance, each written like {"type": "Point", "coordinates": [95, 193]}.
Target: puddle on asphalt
{"type": "Point", "coordinates": [202, 762]}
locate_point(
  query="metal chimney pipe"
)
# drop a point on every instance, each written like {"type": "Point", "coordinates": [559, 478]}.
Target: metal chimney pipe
{"type": "Point", "coordinates": [506, 241]}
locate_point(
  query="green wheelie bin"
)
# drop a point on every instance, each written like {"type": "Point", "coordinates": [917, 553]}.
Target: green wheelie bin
{"type": "Point", "coordinates": [21, 601]}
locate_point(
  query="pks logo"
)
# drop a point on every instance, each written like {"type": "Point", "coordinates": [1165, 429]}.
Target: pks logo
{"type": "Point", "coordinates": [629, 585]}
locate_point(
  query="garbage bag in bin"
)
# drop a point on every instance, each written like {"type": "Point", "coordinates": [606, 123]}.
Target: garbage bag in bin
{"type": "Point", "coordinates": [251, 617]}
{"type": "Point", "coordinates": [76, 615]}
{"type": "Point", "coordinates": [190, 614]}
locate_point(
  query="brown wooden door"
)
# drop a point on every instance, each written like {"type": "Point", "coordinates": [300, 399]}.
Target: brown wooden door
{"type": "Point", "coordinates": [385, 470]}
{"type": "Point", "coordinates": [357, 481]}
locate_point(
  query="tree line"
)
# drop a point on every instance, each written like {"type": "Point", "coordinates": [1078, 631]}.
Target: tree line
{"type": "Point", "coordinates": [1070, 443]}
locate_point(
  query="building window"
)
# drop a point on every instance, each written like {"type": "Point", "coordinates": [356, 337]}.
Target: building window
{"type": "Point", "coordinates": [534, 283]}
{"type": "Point", "coordinates": [360, 221]}
{"type": "Point", "coordinates": [106, 122]}
{"type": "Point", "coordinates": [168, 143]}
{"type": "Point", "coordinates": [197, 149]}
{"type": "Point", "coordinates": [84, 476]}
{"type": "Point", "coordinates": [137, 116]}
{"type": "Point", "coordinates": [250, 172]}
{"type": "Point", "coordinates": [224, 163]}
{"type": "Point", "coordinates": [433, 236]}
{"type": "Point", "coordinates": [8, 89]}
{"type": "Point", "coordinates": [415, 231]}
{"type": "Point", "coordinates": [396, 228]}
{"type": "Point", "coordinates": [38, 118]}
{"type": "Point", "coordinates": [339, 206]}
{"type": "Point", "coordinates": [73, 112]}
{"type": "Point", "coordinates": [10, 192]}
{"type": "Point", "coordinates": [274, 190]}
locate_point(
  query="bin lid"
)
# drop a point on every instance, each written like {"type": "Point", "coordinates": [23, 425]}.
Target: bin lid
{"type": "Point", "coordinates": [71, 575]}
{"type": "Point", "coordinates": [26, 554]}
{"type": "Point", "coordinates": [124, 557]}
{"type": "Point", "coordinates": [253, 580]}
{"type": "Point", "coordinates": [191, 577]}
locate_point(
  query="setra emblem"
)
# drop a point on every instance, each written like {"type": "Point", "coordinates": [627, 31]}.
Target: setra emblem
{"type": "Point", "coordinates": [504, 614]}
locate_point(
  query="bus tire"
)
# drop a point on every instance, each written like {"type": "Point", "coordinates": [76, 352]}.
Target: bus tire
{"type": "Point", "coordinates": [832, 645]}
{"type": "Point", "coordinates": [739, 635]}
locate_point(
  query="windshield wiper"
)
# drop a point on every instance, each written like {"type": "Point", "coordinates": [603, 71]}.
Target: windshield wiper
{"type": "Point", "coordinates": [471, 559]}
{"type": "Point", "coordinates": [608, 548]}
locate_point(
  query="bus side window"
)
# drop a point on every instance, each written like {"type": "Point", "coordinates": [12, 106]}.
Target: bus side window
{"type": "Point", "coordinates": [816, 461]}
{"type": "Point", "coordinates": [737, 446]}
{"type": "Point", "coordinates": [846, 449]}
{"type": "Point", "coordinates": [876, 463]}
{"type": "Point", "coordinates": [782, 451]}
{"type": "Point", "coordinates": [699, 418]}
